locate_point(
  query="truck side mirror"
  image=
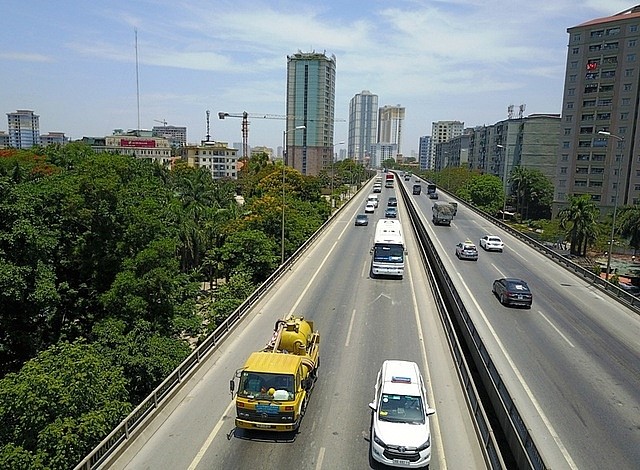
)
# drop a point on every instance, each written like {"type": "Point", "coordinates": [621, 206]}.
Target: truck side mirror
{"type": "Point", "coordinates": [232, 386]}
{"type": "Point", "coordinates": [372, 406]}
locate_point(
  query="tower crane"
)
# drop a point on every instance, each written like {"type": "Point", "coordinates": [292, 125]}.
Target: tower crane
{"type": "Point", "coordinates": [245, 124]}
{"type": "Point", "coordinates": [163, 122]}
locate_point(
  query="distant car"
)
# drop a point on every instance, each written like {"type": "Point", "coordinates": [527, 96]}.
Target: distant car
{"type": "Point", "coordinates": [433, 196]}
{"type": "Point", "coordinates": [370, 208]}
{"type": "Point", "coordinates": [362, 219]}
{"type": "Point", "coordinates": [492, 243]}
{"type": "Point", "coordinates": [392, 201]}
{"type": "Point", "coordinates": [391, 213]}
{"type": "Point", "coordinates": [467, 250]}
{"type": "Point", "coordinates": [377, 188]}
{"type": "Point", "coordinates": [512, 291]}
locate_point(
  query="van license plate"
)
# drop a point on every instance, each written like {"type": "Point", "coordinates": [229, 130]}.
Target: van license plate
{"type": "Point", "coordinates": [401, 461]}
{"type": "Point", "coordinates": [263, 426]}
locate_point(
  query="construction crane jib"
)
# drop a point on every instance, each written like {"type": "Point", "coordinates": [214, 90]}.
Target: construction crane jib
{"type": "Point", "coordinates": [245, 124]}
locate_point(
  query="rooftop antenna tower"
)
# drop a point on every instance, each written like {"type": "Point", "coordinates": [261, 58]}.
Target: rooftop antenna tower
{"type": "Point", "coordinates": [510, 112]}
{"type": "Point", "coordinates": [521, 110]}
{"type": "Point", "coordinates": [135, 30]}
{"type": "Point", "coordinates": [208, 136]}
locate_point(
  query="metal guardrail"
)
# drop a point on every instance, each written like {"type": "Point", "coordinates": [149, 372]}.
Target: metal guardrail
{"type": "Point", "coordinates": [117, 440]}
{"type": "Point", "coordinates": [484, 430]}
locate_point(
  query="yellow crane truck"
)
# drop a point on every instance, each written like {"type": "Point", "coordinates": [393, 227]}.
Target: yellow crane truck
{"type": "Point", "coordinates": [275, 384]}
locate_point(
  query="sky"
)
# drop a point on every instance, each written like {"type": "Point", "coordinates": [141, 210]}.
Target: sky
{"type": "Point", "coordinates": [74, 64]}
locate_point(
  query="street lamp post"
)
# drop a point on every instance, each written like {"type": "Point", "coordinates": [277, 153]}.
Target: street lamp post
{"type": "Point", "coordinates": [504, 177]}
{"type": "Point", "coordinates": [615, 202]}
{"type": "Point", "coordinates": [284, 164]}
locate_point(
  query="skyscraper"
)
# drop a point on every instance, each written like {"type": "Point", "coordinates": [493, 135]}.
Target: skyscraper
{"type": "Point", "coordinates": [24, 129]}
{"type": "Point", "coordinates": [363, 123]}
{"type": "Point", "coordinates": [311, 93]}
{"type": "Point", "coordinates": [442, 131]}
{"type": "Point", "coordinates": [390, 126]}
{"type": "Point", "coordinates": [601, 93]}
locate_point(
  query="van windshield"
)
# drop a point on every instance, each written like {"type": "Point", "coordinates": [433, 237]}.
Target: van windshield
{"type": "Point", "coordinates": [401, 409]}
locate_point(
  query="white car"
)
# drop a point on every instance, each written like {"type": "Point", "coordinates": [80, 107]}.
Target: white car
{"type": "Point", "coordinates": [492, 243]}
{"type": "Point", "coordinates": [370, 208]}
{"type": "Point", "coordinates": [400, 431]}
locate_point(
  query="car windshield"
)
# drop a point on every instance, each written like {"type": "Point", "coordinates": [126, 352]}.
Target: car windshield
{"type": "Point", "coordinates": [401, 409]}
{"type": "Point", "coordinates": [494, 239]}
{"type": "Point", "coordinates": [388, 253]}
{"type": "Point", "coordinates": [264, 386]}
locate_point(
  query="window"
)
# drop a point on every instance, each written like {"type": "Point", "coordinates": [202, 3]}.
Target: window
{"type": "Point", "coordinates": [636, 187]}
{"type": "Point", "coordinates": [603, 116]}
{"type": "Point", "coordinates": [612, 31]}
{"type": "Point", "coordinates": [627, 87]}
{"type": "Point", "coordinates": [586, 130]}
{"type": "Point", "coordinates": [597, 34]}
{"type": "Point", "coordinates": [562, 183]}
{"type": "Point", "coordinates": [631, 57]}
{"type": "Point", "coordinates": [591, 88]}
{"type": "Point", "coordinates": [565, 145]}
{"type": "Point", "coordinates": [597, 171]}
{"type": "Point", "coordinates": [625, 101]}
{"type": "Point", "coordinates": [567, 132]}
{"type": "Point", "coordinates": [628, 72]}
{"type": "Point", "coordinates": [604, 102]}
{"type": "Point", "coordinates": [587, 117]}
{"type": "Point", "coordinates": [610, 45]}
{"type": "Point", "coordinates": [580, 183]}
{"type": "Point", "coordinates": [563, 170]}
{"type": "Point", "coordinates": [584, 143]}
{"type": "Point", "coordinates": [597, 157]}
{"type": "Point", "coordinates": [624, 116]}
{"type": "Point", "coordinates": [590, 76]}
{"type": "Point", "coordinates": [568, 118]}
{"type": "Point", "coordinates": [576, 50]}
{"type": "Point", "coordinates": [606, 88]}
{"type": "Point", "coordinates": [610, 60]}
{"type": "Point", "coordinates": [582, 170]}
{"type": "Point", "coordinates": [588, 103]}
{"type": "Point", "coordinates": [573, 64]}
{"type": "Point", "coordinates": [570, 105]}
{"type": "Point", "coordinates": [572, 78]}
{"type": "Point", "coordinates": [633, 28]}
{"type": "Point", "coordinates": [608, 73]}
{"type": "Point", "coordinates": [576, 37]}
{"type": "Point", "coordinates": [571, 91]}
{"type": "Point", "coordinates": [595, 184]}
{"type": "Point", "coordinates": [583, 157]}
{"type": "Point", "coordinates": [594, 48]}
{"type": "Point", "coordinates": [631, 43]}
{"type": "Point", "coordinates": [564, 157]}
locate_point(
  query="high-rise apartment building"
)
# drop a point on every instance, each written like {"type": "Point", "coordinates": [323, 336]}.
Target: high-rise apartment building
{"type": "Point", "coordinates": [424, 151]}
{"type": "Point", "coordinates": [601, 93]}
{"type": "Point", "coordinates": [311, 91]}
{"type": "Point", "coordinates": [176, 135]}
{"type": "Point", "coordinates": [390, 120]}
{"type": "Point", "coordinates": [442, 131]}
{"type": "Point", "coordinates": [24, 129]}
{"type": "Point", "coordinates": [363, 120]}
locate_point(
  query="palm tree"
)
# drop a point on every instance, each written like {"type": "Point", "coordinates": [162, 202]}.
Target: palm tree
{"type": "Point", "coordinates": [580, 220]}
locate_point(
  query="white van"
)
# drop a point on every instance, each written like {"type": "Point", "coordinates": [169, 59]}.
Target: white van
{"type": "Point", "coordinates": [400, 431]}
{"type": "Point", "coordinates": [373, 198]}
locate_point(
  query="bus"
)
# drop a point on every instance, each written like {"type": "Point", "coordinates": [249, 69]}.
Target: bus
{"type": "Point", "coordinates": [388, 249]}
{"type": "Point", "coordinates": [388, 181]}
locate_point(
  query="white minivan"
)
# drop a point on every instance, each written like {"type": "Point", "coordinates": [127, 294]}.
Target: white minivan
{"type": "Point", "coordinates": [373, 198]}
{"type": "Point", "coordinates": [400, 432]}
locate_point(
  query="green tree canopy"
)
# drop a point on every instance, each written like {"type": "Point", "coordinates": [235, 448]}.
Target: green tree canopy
{"type": "Point", "coordinates": [580, 220]}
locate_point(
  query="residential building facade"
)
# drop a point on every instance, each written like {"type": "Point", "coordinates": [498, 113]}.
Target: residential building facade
{"type": "Point", "coordinates": [601, 93]}
{"type": "Point", "coordinates": [424, 151]}
{"type": "Point", "coordinates": [363, 126]}
{"type": "Point", "coordinates": [217, 157]}
{"type": "Point", "coordinates": [176, 135]}
{"type": "Point", "coordinates": [53, 138]}
{"type": "Point", "coordinates": [390, 119]}
{"type": "Point", "coordinates": [24, 129]}
{"type": "Point", "coordinates": [442, 131]}
{"type": "Point", "coordinates": [310, 103]}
